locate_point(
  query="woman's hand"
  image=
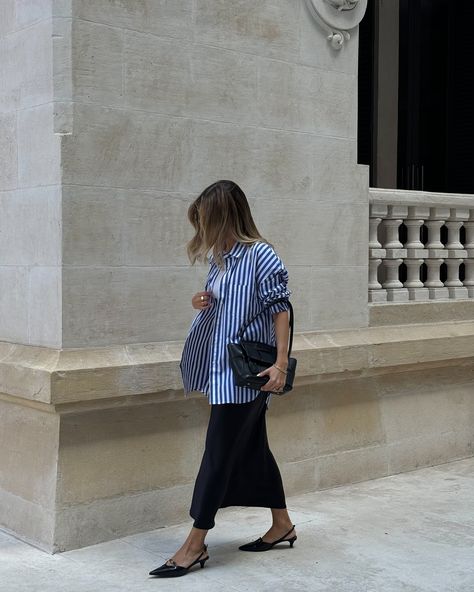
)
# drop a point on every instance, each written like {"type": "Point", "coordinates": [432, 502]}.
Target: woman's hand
{"type": "Point", "coordinates": [201, 300]}
{"type": "Point", "coordinates": [276, 380]}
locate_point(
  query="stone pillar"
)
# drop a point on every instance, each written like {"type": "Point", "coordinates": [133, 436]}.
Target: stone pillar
{"type": "Point", "coordinates": [30, 178]}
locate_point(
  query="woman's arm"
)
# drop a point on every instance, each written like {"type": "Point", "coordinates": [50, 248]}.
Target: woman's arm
{"type": "Point", "coordinates": [282, 334]}
{"type": "Point", "coordinates": [272, 281]}
{"type": "Point", "coordinates": [277, 378]}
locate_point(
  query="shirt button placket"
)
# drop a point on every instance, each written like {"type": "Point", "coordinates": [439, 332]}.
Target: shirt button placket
{"type": "Point", "coordinates": [217, 328]}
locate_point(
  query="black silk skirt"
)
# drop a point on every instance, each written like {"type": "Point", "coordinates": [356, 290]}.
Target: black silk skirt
{"type": "Point", "coordinates": [238, 467]}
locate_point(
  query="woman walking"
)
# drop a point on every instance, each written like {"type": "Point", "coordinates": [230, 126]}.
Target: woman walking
{"type": "Point", "coordinates": [245, 275]}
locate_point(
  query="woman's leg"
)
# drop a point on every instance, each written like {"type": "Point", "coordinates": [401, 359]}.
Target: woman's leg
{"type": "Point", "coordinates": [191, 548]}
{"type": "Point", "coordinates": [281, 521]}
{"type": "Point", "coordinates": [228, 425]}
{"type": "Point", "coordinates": [280, 526]}
{"type": "Point", "coordinates": [256, 479]}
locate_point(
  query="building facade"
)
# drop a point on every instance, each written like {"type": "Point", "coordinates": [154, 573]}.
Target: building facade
{"type": "Point", "coordinates": [114, 116]}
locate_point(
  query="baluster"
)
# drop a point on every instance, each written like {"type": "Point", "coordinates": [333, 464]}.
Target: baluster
{"type": "Point", "coordinates": [416, 253]}
{"type": "Point", "coordinates": [413, 233]}
{"type": "Point", "coordinates": [376, 253]}
{"type": "Point", "coordinates": [469, 261]}
{"type": "Point", "coordinates": [436, 253]}
{"type": "Point", "coordinates": [391, 278]}
{"type": "Point", "coordinates": [434, 234]}
{"type": "Point", "coordinates": [395, 290]}
{"type": "Point", "coordinates": [391, 226]}
{"type": "Point", "coordinates": [469, 276]}
{"type": "Point", "coordinates": [394, 254]}
{"type": "Point", "coordinates": [453, 272]}
{"type": "Point", "coordinates": [413, 273]}
{"type": "Point", "coordinates": [469, 226]}
{"type": "Point", "coordinates": [455, 253]}
{"type": "Point", "coordinates": [373, 229]}
{"type": "Point", "coordinates": [433, 281]}
{"type": "Point", "coordinates": [453, 234]}
{"type": "Point", "coordinates": [374, 284]}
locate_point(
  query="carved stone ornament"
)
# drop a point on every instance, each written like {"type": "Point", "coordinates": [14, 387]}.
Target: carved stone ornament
{"type": "Point", "coordinates": [337, 16]}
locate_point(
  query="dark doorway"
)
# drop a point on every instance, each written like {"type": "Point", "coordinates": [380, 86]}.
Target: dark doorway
{"type": "Point", "coordinates": [434, 61]}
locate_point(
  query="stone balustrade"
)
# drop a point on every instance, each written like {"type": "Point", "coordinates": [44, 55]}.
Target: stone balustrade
{"type": "Point", "coordinates": [421, 246]}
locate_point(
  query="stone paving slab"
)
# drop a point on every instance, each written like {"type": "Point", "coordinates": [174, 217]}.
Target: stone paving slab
{"type": "Point", "coordinates": [411, 532]}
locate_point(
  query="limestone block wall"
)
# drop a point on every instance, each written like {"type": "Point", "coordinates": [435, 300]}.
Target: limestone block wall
{"type": "Point", "coordinates": [30, 196]}
{"type": "Point", "coordinates": [29, 452]}
{"type": "Point", "coordinates": [167, 97]}
{"type": "Point", "coordinates": [348, 432]}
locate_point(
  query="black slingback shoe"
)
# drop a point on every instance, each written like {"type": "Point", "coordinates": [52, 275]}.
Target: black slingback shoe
{"type": "Point", "coordinates": [174, 570]}
{"type": "Point", "coordinates": [261, 545]}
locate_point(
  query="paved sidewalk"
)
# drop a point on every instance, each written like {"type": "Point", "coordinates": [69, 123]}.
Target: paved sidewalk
{"type": "Point", "coordinates": [404, 533]}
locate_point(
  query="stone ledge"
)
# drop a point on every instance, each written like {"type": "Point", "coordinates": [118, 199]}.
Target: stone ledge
{"type": "Point", "coordinates": [123, 374]}
{"type": "Point", "coordinates": [433, 311]}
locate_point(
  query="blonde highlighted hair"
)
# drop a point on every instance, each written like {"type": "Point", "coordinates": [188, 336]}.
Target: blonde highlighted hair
{"type": "Point", "coordinates": [221, 212]}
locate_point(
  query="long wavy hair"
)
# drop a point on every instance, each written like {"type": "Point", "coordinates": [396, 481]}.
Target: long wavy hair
{"type": "Point", "coordinates": [220, 212]}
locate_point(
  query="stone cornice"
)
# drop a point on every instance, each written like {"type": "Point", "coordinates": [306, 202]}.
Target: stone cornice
{"type": "Point", "coordinates": [70, 379]}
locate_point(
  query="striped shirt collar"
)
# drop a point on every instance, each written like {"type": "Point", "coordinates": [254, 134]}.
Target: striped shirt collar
{"type": "Point", "coordinates": [236, 251]}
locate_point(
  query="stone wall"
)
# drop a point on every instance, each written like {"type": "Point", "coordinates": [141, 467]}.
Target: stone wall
{"type": "Point", "coordinates": [336, 433]}
{"type": "Point", "coordinates": [167, 97]}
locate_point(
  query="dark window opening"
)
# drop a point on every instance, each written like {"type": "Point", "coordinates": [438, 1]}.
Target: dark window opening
{"type": "Point", "coordinates": [415, 95]}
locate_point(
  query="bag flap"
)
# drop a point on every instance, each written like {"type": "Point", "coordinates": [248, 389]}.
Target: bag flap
{"type": "Point", "coordinates": [260, 352]}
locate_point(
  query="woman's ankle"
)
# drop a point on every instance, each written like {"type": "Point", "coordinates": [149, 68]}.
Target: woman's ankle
{"type": "Point", "coordinates": [194, 545]}
{"type": "Point", "coordinates": [279, 525]}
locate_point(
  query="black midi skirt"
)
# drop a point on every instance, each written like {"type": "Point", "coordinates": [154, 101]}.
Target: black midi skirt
{"type": "Point", "coordinates": [238, 467]}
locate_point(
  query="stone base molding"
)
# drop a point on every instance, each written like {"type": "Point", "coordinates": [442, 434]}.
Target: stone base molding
{"type": "Point", "coordinates": [100, 443]}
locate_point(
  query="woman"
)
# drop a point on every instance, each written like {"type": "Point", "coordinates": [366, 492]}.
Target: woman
{"type": "Point", "coordinates": [245, 275]}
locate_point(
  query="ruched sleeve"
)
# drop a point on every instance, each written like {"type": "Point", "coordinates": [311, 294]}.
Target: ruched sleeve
{"type": "Point", "coordinates": [272, 280]}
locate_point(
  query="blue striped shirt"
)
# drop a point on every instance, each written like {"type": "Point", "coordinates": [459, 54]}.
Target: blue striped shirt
{"type": "Point", "coordinates": [254, 277]}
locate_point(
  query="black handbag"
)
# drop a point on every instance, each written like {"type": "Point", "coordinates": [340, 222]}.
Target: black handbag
{"type": "Point", "coordinates": [248, 358]}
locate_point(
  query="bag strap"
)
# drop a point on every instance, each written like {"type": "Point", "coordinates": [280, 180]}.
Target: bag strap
{"type": "Point", "coordinates": [242, 329]}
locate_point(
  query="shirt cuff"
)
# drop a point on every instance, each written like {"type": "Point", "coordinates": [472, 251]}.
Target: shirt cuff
{"type": "Point", "coordinates": [279, 307]}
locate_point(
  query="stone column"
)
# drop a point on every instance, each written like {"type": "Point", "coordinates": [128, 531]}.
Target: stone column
{"type": "Point", "coordinates": [30, 269]}
{"type": "Point", "coordinates": [30, 179]}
